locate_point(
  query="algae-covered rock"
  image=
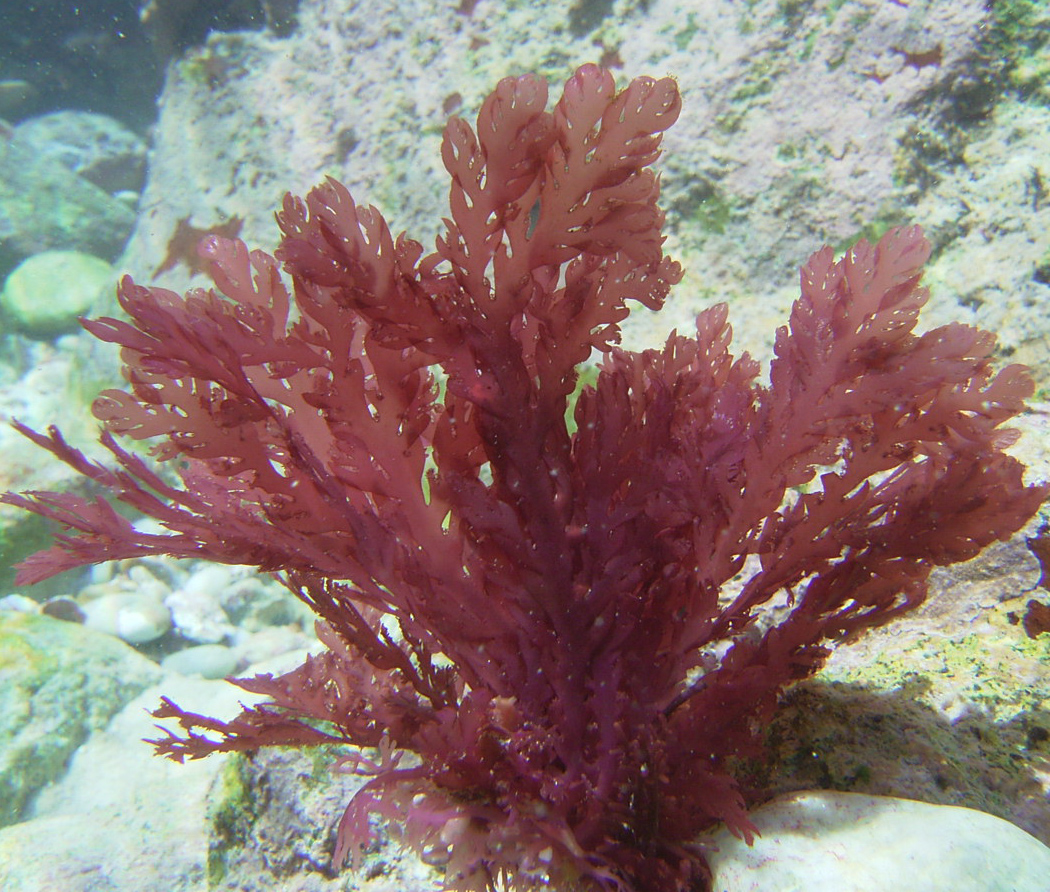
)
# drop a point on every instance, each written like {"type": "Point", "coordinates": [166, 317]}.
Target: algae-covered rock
{"type": "Point", "coordinates": [59, 682]}
{"type": "Point", "coordinates": [45, 293]}
{"type": "Point", "coordinates": [96, 147]}
{"type": "Point", "coordinates": [46, 206]}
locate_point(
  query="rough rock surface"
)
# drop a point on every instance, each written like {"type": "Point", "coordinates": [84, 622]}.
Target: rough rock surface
{"type": "Point", "coordinates": [831, 842]}
{"type": "Point", "coordinates": [59, 682]}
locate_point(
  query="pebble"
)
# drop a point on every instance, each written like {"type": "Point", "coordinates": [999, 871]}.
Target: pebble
{"type": "Point", "coordinates": [64, 608]}
{"type": "Point", "coordinates": [221, 617]}
{"type": "Point", "coordinates": [135, 618]}
{"type": "Point", "coordinates": [196, 605]}
{"type": "Point", "coordinates": [255, 604]}
{"type": "Point", "coordinates": [267, 644]}
{"type": "Point", "coordinates": [205, 660]}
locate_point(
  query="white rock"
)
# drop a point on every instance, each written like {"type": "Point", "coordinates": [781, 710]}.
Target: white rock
{"type": "Point", "coordinates": [834, 842]}
{"type": "Point", "coordinates": [211, 580]}
{"type": "Point", "coordinates": [134, 618]}
{"type": "Point", "coordinates": [196, 605]}
{"type": "Point", "coordinates": [18, 602]}
{"type": "Point", "coordinates": [144, 581]}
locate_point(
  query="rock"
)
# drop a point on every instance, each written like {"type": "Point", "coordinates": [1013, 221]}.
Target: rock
{"type": "Point", "coordinates": [58, 683]}
{"type": "Point", "coordinates": [135, 618]}
{"type": "Point", "coordinates": [21, 603]}
{"type": "Point", "coordinates": [211, 580]}
{"type": "Point", "coordinates": [44, 206]}
{"type": "Point", "coordinates": [63, 607]}
{"type": "Point", "coordinates": [14, 93]}
{"type": "Point", "coordinates": [272, 643]}
{"type": "Point", "coordinates": [831, 842]}
{"type": "Point", "coordinates": [255, 602]}
{"type": "Point", "coordinates": [196, 605]}
{"type": "Point", "coordinates": [122, 818]}
{"type": "Point", "coordinates": [45, 293]}
{"type": "Point", "coordinates": [25, 868]}
{"type": "Point", "coordinates": [292, 800]}
{"type": "Point", "coordinates": [205, 660]}
{"type": "Point", "coordinates": [100, 149]}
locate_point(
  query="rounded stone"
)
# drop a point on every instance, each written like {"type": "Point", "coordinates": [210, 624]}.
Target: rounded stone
{"type": "Point", "coordinates": [45, 293]}
{"type": "Point", "coordinates": [134, 618]}
{"type": "Point", "coordinates": [828, 842]}
{"type": "Point", "coordinates": [205, 660]}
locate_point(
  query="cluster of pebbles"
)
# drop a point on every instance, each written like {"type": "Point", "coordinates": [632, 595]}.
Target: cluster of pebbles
{"type": "Point", "coordinates": [193, 617]}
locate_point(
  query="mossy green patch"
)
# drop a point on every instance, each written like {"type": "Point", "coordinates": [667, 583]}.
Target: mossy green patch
{"type": "Point", "coordinates": [1018, 42]}
{"type": "Point", "coordinates": [232, 815]}
{"type": "Point", "coordinates": [683, 37]}
{"type": "Point", "coordinates": [980, 667]}
{"type": "Point", "coordinates": [588, 377]}
{"type": "Point", "coordinates": [713, 212]}
{"type": "Point", "coordinates": [886, 217]}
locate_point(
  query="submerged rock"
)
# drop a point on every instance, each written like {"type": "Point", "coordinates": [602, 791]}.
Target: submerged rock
{"type": "Point", "coordinates": [46, 293]}
{"type": "Point", "coordinates": [828, 842]}
{"type": "Point", "coordinates": [59, 682]}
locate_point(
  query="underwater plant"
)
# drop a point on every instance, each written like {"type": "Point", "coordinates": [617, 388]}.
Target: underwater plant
{"type": "Point", "coordinates": [566, 632]}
